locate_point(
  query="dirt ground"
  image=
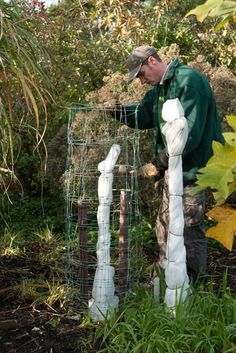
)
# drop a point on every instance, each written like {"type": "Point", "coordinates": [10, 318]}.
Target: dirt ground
{"type": "Point", "coordinates": [41, 328]}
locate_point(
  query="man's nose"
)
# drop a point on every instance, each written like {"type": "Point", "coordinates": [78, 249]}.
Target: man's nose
{"type": "Point", "coordinates": [142, 80]}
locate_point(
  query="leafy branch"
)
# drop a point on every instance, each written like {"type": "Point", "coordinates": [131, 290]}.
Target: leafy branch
{"type": "Point", "coordinates": [224, 9]}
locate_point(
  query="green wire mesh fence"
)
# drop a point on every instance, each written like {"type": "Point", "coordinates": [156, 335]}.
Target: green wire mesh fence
{"type": "Point", "coordinates": [91, 133]}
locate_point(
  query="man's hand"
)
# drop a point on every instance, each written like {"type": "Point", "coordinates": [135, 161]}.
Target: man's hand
{"type": "Point", "coordinates": [147, 171]}
{"type": "Point", "coordinates": [113, 108]}
{"type": "Point", "coordinates": [110, 109]}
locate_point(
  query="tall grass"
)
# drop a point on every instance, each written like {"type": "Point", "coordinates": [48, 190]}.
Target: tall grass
{"type": "Point", "coordinates": [24, 86]}
{"type": "Point", "coordinates": [205, 323]}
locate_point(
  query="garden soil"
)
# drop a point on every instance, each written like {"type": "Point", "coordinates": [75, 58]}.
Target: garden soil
{"type": "Point", "coordinates": [28, 326]}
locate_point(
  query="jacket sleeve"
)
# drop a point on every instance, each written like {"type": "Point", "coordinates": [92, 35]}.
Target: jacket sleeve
{"type": "Point", "coordinates": [138, 116]}
{"type": "Point", "coordinates": [195, 105]}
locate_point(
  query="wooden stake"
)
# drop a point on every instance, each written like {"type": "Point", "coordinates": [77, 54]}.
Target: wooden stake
{"type": "Point", "coordinates": [83, 247]}
{"type": "Point", "coordinates": [123, 237]}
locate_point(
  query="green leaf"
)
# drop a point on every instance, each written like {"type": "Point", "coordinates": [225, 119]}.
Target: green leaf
{"type": "Point", "coordinates": [202, 11]}
{"type": "Point", "coordinates": [197, 189]}
{"type": "Point", "coordinates": [215, 8]}
{"type": "Point", "coordinates": [230, 138]}
{"type": "Point", "coordinates": [222, 23]}
{"type": "Point", "coordinates": [218, 198]}
{"type": "Point", "coordinates": [224, 155]}
{"type": "Point", "coordinates": [219, 173]}
{"type": "Point", "coordinates": [217, 178]}
{"type": "Point", "coordinates": [231, 120]}
{"type": "Point", "coordinates": [225, 9]}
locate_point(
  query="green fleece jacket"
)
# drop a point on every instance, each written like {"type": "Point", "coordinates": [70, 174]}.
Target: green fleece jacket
{"type": "Point", "coordinates": [197, 99]}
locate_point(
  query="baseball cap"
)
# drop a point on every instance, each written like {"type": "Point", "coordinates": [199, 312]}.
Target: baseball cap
{"type": "Point", "coordinates": [137, 58]}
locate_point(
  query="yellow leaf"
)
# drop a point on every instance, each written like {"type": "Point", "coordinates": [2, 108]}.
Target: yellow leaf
{"type": "Point", "coordinates": [225, 230]}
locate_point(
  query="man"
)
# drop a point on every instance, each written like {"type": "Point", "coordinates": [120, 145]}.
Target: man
{"type": "Point", "coordinates": [170, 81]}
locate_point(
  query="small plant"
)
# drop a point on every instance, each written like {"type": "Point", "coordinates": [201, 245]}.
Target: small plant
{"type": "Point", "coordinates": [52, 250]}
{"type": "Point", "coordinates": [56, 293]}
{"type": "Point", "coordinates": [31, 290]}
{"type": "Point", "coordinates": [46, 236]}
{"type": "Point", "coordinates": [40, 291]}
{"type": "Point", "coordinates": [9, 245]}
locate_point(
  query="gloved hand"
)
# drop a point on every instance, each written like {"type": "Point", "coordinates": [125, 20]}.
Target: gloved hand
{"type": "Point", "coordinates": [114, 109]}
{"type": "Point", "coordinates": [161, 160]}
{"type": "Point", "coordinates": [147, 171]}
{"type": "Point", "coordinates": [111, 109]}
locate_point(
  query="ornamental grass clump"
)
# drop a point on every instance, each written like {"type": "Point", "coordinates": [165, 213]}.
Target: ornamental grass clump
{"type": "Point", "coordinates": [206, 323]}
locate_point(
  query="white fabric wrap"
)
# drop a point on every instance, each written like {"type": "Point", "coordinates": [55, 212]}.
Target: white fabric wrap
{"type": "Point", "coordinates": [176, 134]}
{"type": "Point", "coordinates": [103, 293]}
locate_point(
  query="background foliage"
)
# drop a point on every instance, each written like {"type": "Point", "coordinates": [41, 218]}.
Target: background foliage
{"type": "Point", "coordinates": [72, 49]}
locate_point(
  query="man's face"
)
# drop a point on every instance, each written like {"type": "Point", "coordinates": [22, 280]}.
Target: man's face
{"type": "Point", "coordinates": [150, 72]}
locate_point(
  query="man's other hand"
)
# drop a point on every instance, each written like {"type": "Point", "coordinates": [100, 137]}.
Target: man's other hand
{"type": "Point", "coordinates": [147, 171]}
{"type": "Point", "coordinates": [110, 109]}
{"type": "Point", "coordinates": [113, 108]}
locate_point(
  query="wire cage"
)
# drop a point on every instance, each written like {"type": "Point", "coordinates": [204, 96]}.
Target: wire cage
{"type": "Point", "coordinates": [91, 133]}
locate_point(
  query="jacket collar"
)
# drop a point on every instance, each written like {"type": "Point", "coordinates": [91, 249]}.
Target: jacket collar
{"type": "Point", "coordinates": [169, 74]}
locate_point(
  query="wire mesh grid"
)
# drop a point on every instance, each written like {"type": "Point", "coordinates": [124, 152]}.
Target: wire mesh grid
{"type": "Point", "coordinates": [91, 133]}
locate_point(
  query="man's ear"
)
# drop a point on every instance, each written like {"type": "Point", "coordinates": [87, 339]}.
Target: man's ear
{"type": "Point", "coordinates": [151, 60]}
